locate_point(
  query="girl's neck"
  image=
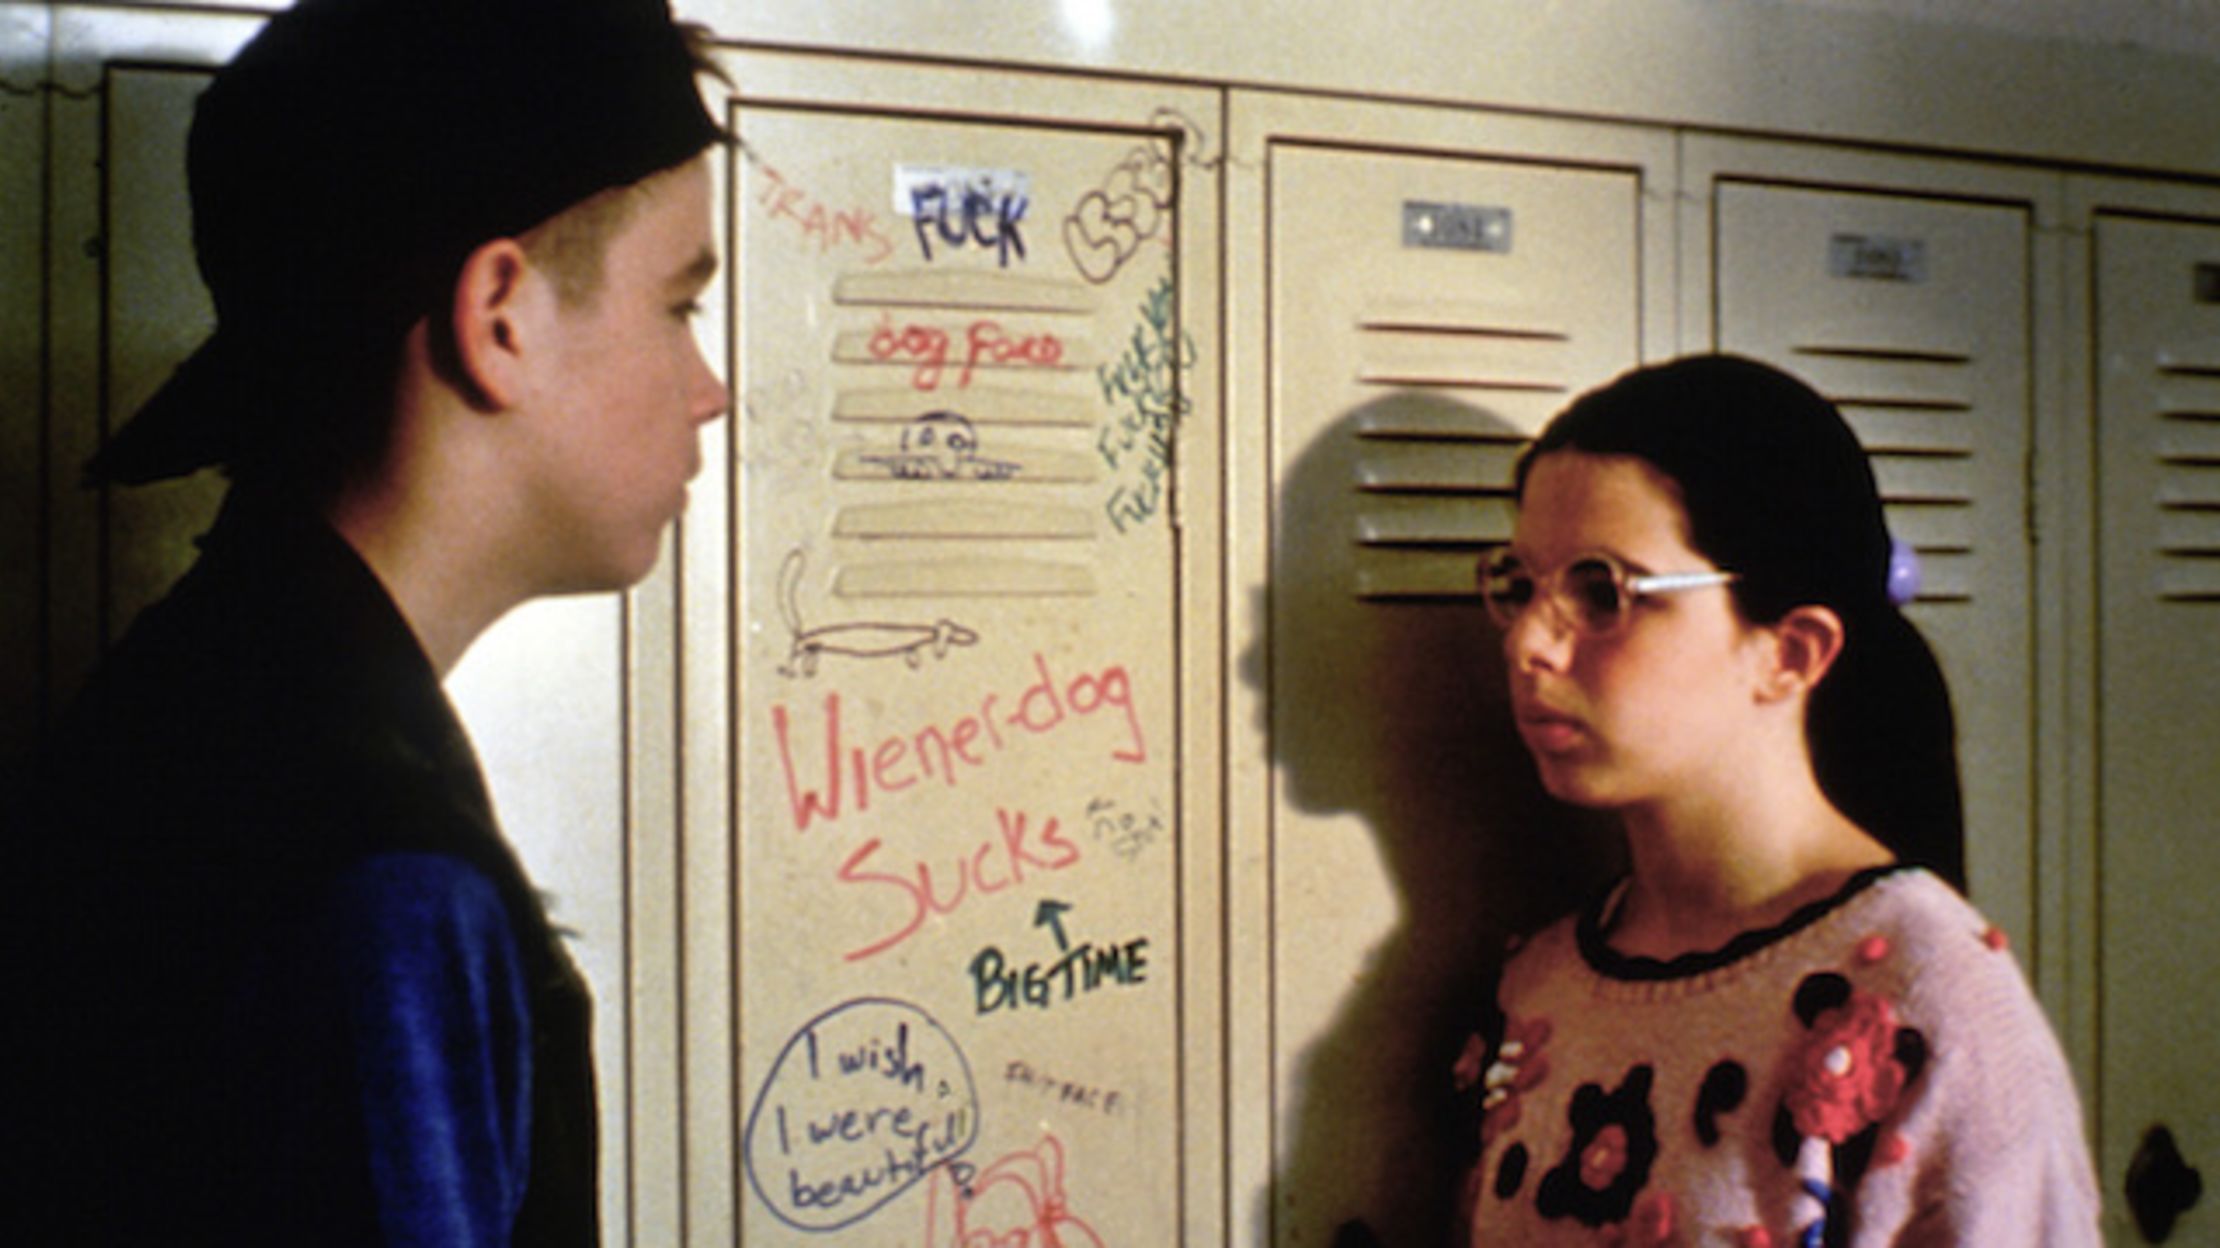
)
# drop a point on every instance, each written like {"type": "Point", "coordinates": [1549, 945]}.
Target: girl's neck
{"type": "Point", "coordinates": [1705, 873]}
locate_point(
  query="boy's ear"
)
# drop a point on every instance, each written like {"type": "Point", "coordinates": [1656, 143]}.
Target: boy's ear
{"type": "Point", "coordinates": [1805, 644]}
{"type": "Point", "coordinates": [489, 324]}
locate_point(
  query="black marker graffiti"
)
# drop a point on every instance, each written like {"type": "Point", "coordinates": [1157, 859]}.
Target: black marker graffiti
{"type": "Point", "coordinates": [997, 984]}
{"type": "Point", "coordinates": [942, 446]}
{"type": "Point", "coordinates": [965, 216]}
{"type": "Point", "coordinates": [857, 639]}
{"type": "Point", "coordinates": [1133, 204]}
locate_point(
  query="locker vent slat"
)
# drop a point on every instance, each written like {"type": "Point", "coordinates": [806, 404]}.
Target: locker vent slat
{"type": "Point", "coordinates": [983, 406]}
{"type": "Point", "coordinates": [1435, 462]}
{"type": "Point", "coordinates": [1914, 410]}
{"type": "Point", "coordinates": [963, 518]}
{"type": "Point", "coordinates": [1464, 523]}
{"type": "Point", "coordinates": [964, 578]}
{"type": "Point", "coordinates": [2186, 450]}
{"type": "Point", "coordinates": [1449, 377]}
{"type": "Point", "coordinates": [1457, 317]}
{"type": "Point", "coordinates": [1417, 576]}
{"type": "Point", "coordinates": [1448, 468]}
{"type": "Point", "coordinates": [1891, 355]}
{"type": "Point", "coordinates": [963, 289]}
{"type": "Point", "coordinates": [1019, 466]}
{"type": "Point", "coordinates": [958, 366]}
{"type": "Point", "coordinates": [1439, 423]}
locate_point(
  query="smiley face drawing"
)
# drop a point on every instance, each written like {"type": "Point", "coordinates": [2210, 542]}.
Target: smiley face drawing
{"type": "Point", "coordinates": [942, 446]}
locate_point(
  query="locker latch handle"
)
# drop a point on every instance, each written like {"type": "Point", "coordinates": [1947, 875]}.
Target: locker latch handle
{"type": "Point", "coordinates": [2160, 1185]}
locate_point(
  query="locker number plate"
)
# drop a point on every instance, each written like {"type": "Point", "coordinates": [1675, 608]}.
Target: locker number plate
{"type": "Point", "coordinates": [1876, 258]}
{"type": "Point", "coordinates": [1456, 227]}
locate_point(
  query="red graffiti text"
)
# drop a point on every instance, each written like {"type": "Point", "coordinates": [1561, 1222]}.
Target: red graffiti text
{"type": "Point", "coordinates": [951, 748]}
{"type": "Point", "coordinates": [985, 345]}
{"type": "Point", "coordinates": [994, 864]}
{"type": "Point", "coordinates": [1018, 1202]}
{"type": "Point", "coordinates": [822, 228]}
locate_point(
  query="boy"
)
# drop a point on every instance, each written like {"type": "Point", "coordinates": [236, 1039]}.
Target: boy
{"type": "Point", "coordinates": [293, 987]}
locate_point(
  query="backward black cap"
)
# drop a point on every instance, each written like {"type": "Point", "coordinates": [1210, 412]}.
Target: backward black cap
{"type": "Point", "coordinates": [351, 156]}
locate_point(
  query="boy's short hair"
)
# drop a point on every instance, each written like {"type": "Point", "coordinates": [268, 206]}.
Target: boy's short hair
{"type": "Point", "coordinates": [344, 165]}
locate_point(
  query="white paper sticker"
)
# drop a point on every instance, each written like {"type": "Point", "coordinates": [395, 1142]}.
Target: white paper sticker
{"type": "Point", "coordinates": [936, 190]}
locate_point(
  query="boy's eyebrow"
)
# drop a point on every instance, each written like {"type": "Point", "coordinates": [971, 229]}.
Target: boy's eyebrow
{"type": "Point", "coordinates": [699, 270]}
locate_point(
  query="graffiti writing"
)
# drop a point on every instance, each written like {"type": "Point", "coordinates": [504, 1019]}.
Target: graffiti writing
{"type": "Point", "coordinates": [942, 446]}
{"type": "Point", "coordinates": [821, 227]}
{"type": "Point", "coordinates": [966, 216]}
{"type": "Point", "coordinates": [997, 985]}
{"type": "Point", "coordinates": [1063, 1091]}
{"type": "Point", "coordinates": [1126, 832]}
{"type": "Point", "coordinates": [1143, 389]}
{"type": "Point", "coordinates": [1133, 205]}
{"type": "Point", "coordinates": [993, 865]}
{"type": "Point", "coordinates": [984, 344]}
{"type": "Point", "coordinates": [951, 748]}
{"type": "Point", "coordinates": [858, 639]}
{"type": "Point", "coordinates": [1018, 1202]}
{"type": "Point", "coordinates": [864, 1102]}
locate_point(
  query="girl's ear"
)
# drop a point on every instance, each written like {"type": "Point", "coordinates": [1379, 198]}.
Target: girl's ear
{"type": "Point", "coordinates": [489, 322]}
{"type": "Point", "coordinates": [1806, 643]}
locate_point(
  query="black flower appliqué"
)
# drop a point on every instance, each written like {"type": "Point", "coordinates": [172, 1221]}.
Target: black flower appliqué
{"type": "Point", "coordinates": [1614, 1143]}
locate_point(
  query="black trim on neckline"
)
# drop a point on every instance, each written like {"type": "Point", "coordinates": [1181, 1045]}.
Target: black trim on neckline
{"type": "Point", "coordinates": [1597, 952]}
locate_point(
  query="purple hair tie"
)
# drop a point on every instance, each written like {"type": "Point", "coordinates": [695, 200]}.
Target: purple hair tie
{"type": "Point", "coordinates": [1903, 574]}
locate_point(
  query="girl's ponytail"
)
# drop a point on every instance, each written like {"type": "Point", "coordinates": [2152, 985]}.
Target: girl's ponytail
{"type": "Point", "coordinates": [1884, 744]}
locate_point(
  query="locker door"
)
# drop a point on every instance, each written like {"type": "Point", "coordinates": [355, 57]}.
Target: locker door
{"type": "Point", "coordinates": [958, 829]}
{"type": "Point", "coordinates": [1912, 315]}
{"type": "Point", "coordinates": [1428, 313]}
{"type": "Point", "coordinates": [2158, 422]}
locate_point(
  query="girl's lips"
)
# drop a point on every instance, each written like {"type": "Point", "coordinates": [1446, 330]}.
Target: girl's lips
{"type": "Point", "coordinates": [1549, 732]}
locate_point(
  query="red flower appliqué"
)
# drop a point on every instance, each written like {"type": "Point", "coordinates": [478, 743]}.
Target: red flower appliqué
{"type": "Point", "coordinates": [1846, 1077]}
{"type": "Point", "coordinates": [1604, 1158]}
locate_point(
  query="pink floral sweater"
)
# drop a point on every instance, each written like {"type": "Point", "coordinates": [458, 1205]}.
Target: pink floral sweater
{"type": "Point", "coordinates": [1872, 1072]}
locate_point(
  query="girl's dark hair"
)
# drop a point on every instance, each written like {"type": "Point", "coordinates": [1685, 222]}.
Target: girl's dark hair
{"type": "Point", "coordinates": [1777, 489]}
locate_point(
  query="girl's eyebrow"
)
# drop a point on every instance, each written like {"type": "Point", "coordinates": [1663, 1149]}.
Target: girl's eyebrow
{"type": "Point", "coordinates": [1636, 566]}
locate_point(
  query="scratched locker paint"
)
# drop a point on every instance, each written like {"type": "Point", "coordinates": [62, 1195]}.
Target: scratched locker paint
{"type": "Point", "coordinates": [957, 845]}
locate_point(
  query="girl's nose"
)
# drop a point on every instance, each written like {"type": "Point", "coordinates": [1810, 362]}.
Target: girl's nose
{"type": "Point", "coordinates": [1538, 637]}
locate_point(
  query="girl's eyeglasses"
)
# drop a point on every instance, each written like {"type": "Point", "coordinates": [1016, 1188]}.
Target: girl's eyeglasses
{"type": "Point", "coordinates": [1594, 594]}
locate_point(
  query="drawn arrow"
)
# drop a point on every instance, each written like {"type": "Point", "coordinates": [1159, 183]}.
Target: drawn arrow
{"type": "Point", "coordinates": [1050, 914]}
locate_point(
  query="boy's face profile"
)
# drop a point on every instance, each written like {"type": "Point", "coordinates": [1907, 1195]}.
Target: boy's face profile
{"type": "Point", "coordinates": [621, 390]}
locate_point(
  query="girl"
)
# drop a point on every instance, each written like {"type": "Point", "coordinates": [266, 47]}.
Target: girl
{"type": "Point", "coordinates": [1783, 1026]}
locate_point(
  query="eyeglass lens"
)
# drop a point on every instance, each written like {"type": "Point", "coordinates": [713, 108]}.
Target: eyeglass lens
{"type": "Point", "coordinates": [1590, 592]}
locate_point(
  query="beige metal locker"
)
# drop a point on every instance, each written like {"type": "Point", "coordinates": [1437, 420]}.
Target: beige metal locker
{"type": "Point", "coordinates": [1913, 314]}
{"type": "Point", "coordinates": [1429, 309]}
{"type": "Point", "coordinates": [959, 911]}
{"type": "Point", "coordinates": [2157, 395]}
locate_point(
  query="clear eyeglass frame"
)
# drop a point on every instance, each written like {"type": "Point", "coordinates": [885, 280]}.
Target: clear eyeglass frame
{"type": "Point", "coordinates": [1593, 593]}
